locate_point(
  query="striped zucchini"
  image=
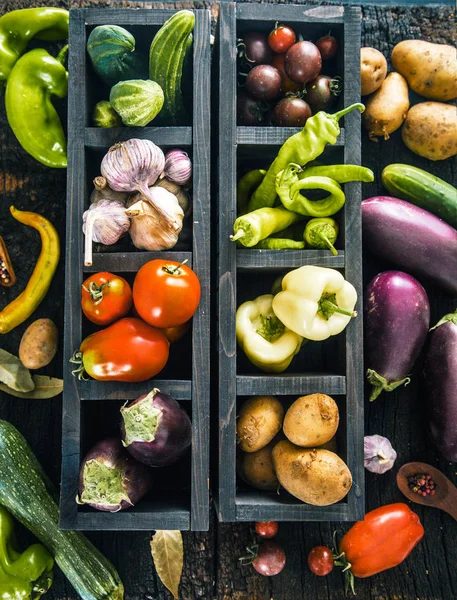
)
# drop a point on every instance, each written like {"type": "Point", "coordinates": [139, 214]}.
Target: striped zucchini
{"type": "Point", "coordinates": [422, 189]}
{"type": "Point", "coordinates": [24, 492]}
{"type": "Point", "coordinates": [166, 57]}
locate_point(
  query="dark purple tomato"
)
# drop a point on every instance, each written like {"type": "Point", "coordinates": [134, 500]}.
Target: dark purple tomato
{"type": "Point", "coordinates": [328, 46]}
{"type": "Point", "coordinates": [320, 560]}
{"type": "Point", "coordinates": [292, 112]}
{"type": "Point", "coordinates": [248, 110]}
{"type": "Point", "coordinates": [281, 39]}
{"type": "Point", "coordinates": [270, 559]}
{"type": "Point", "coordinates": [287, 84]}
{"type": "Point", "coordinates": [303, 62]}
{"type": "Point", "coordinates": [264, 82]}
{"type": "Point", "coordinates": [256, 48]}
{"type": "Point", "coordinates": [322, 92]}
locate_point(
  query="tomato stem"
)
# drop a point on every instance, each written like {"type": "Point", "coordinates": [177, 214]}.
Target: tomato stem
{"type": "Point", "coordinates": [96, 291]}
{"type": "Point", "coordinates": [174, 269]}
{"type": "Point", "coordinates": [77, 359]}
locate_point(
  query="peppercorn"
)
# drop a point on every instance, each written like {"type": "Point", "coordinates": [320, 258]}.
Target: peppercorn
{"type": "Point", "coordinates": [7, 276]}
{"type": "Point", "coordinates": [422, 484]}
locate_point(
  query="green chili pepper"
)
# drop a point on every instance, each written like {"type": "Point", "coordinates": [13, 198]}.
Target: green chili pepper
{"type": "Point", "coordinates": [277, 243]}
{"type": "Point", "coordinates": [18, 27]}
{"type": "Point", "coordinates": [301, 148]}
{"type": "Point", "coordinates": [340, 173]}
{"type": "Point", "coordinates": [322, 233]}
{"type": "Point", "coordinates": [25, 576]}
{"type": "Point", "coordinates": [33, 80]}
{"type": "Point", "coordinates": [246, 185]}
{"type": "Point", "coordinates": [257, 225]}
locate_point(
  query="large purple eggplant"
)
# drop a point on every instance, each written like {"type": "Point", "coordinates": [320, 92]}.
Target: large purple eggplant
{"type": "Point", "coordinates": [110, 479]}
{"type": "Point", "coordinates": [411, 238]}
{"type": "Point", "coordinates": [440, 385]}
{"type": "Point", "coordinates": [397, 318]}
{"type": "Point", "coordinates": [155, 429]}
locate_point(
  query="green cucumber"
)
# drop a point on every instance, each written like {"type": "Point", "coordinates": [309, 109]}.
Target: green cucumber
{"type": "Point", "coordinates": [25, 492]}
{"type": "Point", "coordinates": [166, 58]}
{"type": "Point", "coordinates": [422, 189]}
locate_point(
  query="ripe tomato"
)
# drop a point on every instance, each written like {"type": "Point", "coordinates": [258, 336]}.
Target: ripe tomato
{"type": "Point", "coordinates": [266, 529]}
{"type": "Point", "coordinates": [173, 334]}
{"type": "Point", "coordinates": [270, 559]}
{"type": "Point", "coordinates": [287, 84]}
{"type": "Point", "coordinates": [281, 39]}
{"type": "Point", "coordinates": [320, 560]}
{"type": "Point", "coordinates": [166, 293]}
{"type": "Point", "coordinates": [105, 298]}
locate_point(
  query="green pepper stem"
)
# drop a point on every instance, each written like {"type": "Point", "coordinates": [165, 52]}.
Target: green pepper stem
{"type": "Point", "coordinates": [360, 107]}
{"type": "Point", "coordinates": [239, 234]}
{"type": "Point", "coordinates": [332, 248]}
{"type": "Point", "coordinates": [326, 305]}
{"type": "Point", "coordinates": [62, 55]}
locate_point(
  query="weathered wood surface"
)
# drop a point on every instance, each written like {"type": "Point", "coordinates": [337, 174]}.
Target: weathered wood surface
{"type": "Point", "coordinates": [211, 567]}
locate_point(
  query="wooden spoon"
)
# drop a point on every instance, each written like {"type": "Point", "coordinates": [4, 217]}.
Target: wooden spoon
{"type": "Point", "coordinates": [445, 496]}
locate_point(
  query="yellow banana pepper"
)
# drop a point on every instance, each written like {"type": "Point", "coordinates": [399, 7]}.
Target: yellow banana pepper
{"type": "Point", "coordinates": [267, 343]}
{"type": "Point", "coordinates": [315, 302]}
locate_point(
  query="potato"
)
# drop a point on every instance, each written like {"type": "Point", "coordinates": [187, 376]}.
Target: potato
{"type": "Point", "coordinates": [38, 344]}
{"type": "Point", "coordinates": [259, 420]}
{"type": "Point", "coordinates": [311, 420]}
{"type": "Point", "coordinates": [430, 130]}
{"type": "Point", "coordinates": [386, 109]}
{"type": "Point", "coordinates": [430, 69]}
{"type": "Point", "coordinates": [315, 476]}
{"type": "Point", "coordinates": [256, 468]}
{"type": "Point", "coordinates": [373, 70]}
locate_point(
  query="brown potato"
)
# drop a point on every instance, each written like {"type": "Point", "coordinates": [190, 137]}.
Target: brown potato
{"type": "Point", "coordinates": [38, 344]}
{"type": "Point", "coordinates": [311, 420]}
{"type": "Point", "coordinates": [430, 130]}
{"type": "Point", "coordinates": [256, 468]}
{"type": "Point", "coordinates": [259, 420]}
{"type": "Point", "coordinates": [373, 70]}
{"type": "Point", "coordinates": [430, 69]}
{"type": "Point", "coordinates": [315, 476]}
{"type": "Point", "coordinates": [386, 109]}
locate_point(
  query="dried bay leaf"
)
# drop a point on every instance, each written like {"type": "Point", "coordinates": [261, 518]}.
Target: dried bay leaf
{"type": "Point", "coordinates": [14, 374]}
{"type": "Point", "coordinates": [168, 555]}
{"type": "Point", "coordinates": [45, 387]}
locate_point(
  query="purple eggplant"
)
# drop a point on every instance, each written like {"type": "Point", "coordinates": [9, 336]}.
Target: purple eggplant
{"type": "Point", "coordinates": [411, 238]}
{"type": "Point", "coordinates": [155, 429]}
{"type": "Point", "coordinates": [397, 318]}
{"type": "Point", "coordinates": [110, 479]}
{"type": "Point", "coordinates": [440, 385]}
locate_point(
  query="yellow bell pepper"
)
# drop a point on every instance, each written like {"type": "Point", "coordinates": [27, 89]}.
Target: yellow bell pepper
{"type": "Point", "coordinates": [315, 302]}
{"type": "Point", "coordinates": [267, 343]}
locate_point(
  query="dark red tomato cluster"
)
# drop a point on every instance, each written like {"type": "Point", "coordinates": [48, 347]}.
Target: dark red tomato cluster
{"type": "Point", "coordinates": [281, 77]}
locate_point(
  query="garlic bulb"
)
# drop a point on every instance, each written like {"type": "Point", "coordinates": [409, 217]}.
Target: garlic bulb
{"type": "Point", "coordinates": [103, 192]}
{"type": "Point", "coordinates": [379, 456]}
{"type": "Point", "coordinates": [104, 222]}
{"type": "Point", "coordinates": [178, 167]}
{"type": "Point", "coordinates": [147, 230]}
{"type": "Point", "coordinates": [134, 165]}
{"type": "Point", "coordinates": [175, 189]}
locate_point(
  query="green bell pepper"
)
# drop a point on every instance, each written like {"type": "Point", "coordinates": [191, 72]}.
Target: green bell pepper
{"type": "Point", "coordinates": [33, 80]}
{"type": "Point", "coordinates": [18, 27]}
{"type": "Point", "coordinates": [22, 576]}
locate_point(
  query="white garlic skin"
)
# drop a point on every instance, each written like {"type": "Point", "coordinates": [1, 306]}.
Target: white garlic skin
{"type": "Point", "coordinates": [379, 456]}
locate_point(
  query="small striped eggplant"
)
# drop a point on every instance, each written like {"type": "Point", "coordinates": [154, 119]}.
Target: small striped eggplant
{"type": "Point", "coordinates": [397, 318]}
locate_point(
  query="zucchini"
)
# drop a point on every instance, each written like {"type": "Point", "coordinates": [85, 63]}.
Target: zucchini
{"type": "Point", "coordinates": [422, 189]}
{"type": "Point", "coordinates": [166, 58]}
{"type": "Point", "coordinates": [25, 492]}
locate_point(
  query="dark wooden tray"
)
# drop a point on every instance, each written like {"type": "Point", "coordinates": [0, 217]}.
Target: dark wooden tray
{"type": "Point", "coordinates": [335, 366]}
{"type": "Point", "coordinates": [179, 499]}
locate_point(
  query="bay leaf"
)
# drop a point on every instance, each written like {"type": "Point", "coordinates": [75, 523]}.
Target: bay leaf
{"type": "Point", "coordinates": [45, 387]}
{"type": "Point", "coordinates": [14, 374]}
{"type": "Point", "coordinates": [168, 556]}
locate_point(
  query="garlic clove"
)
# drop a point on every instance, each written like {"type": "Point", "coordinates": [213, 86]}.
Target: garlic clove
{"type": "Point", "coordinates": [103, 192]}
{"type": "Point", "coordinates": [175, 189]}
{"type": "Point", "coordinates": [105, 222]}
{"type": "Point", "coordinates": [379, 456]}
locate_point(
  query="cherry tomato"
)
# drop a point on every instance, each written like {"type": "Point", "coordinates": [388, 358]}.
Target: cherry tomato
{"type": "Point", "coordinates": [292, 112]}
{"type": "Point", "coordinates": [166, 293]}
{"type": "Point", "coordinates": [264, 82]}
{"type": "Point", "coordinates": [248, 110]}
{"type": "Point", "coordinates": [256, 48]}
{"type": "Point", "coordinates": [270, 559]}
{"type": "Point", "coordinates": [173, 334]}
{"type": "Point", "coordinates": [320, 560]}
{"type": "Point", "coordinates": [287, 84]}
{"type": "Point", "coordinates": [303, 62]}
{"type": "Point", "coordinates": [328, 46]}
{"type": "Point", "coordinates": [266, 529]}
{"type": "Point", "coordinates": [105, 298]}
{"type": "Point", "coordinates": [322, 92]}
{"type": "Point", "coordinates": [281, 39]}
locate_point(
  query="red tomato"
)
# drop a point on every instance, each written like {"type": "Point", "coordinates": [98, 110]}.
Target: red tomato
{"type": "Point", "coordinates": [270, 559]}
{"type": "Point", "coordinates": [105, 298]}
{"type": "Point", "coordinates": [287, 84]}
{"type": "Point", "coordinates": [173, 334]}
{"type": "Point", "coordinates": [281, 39]}
{"type": "Point", "coordinates": [320, 560]}
{"type": "Point", "coordinates": [266, 529]}
{"type": "Point", "coordinates": [166, 293]}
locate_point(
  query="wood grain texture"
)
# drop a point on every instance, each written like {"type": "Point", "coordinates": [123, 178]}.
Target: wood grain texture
{"type": "Point", "coordinates": [264, 136]}
{"type": "Point", "coordinates": [168, 136]}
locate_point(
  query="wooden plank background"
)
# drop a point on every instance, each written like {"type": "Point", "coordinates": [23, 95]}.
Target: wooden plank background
{"type": "Point", "coordinates": [211, 567]}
